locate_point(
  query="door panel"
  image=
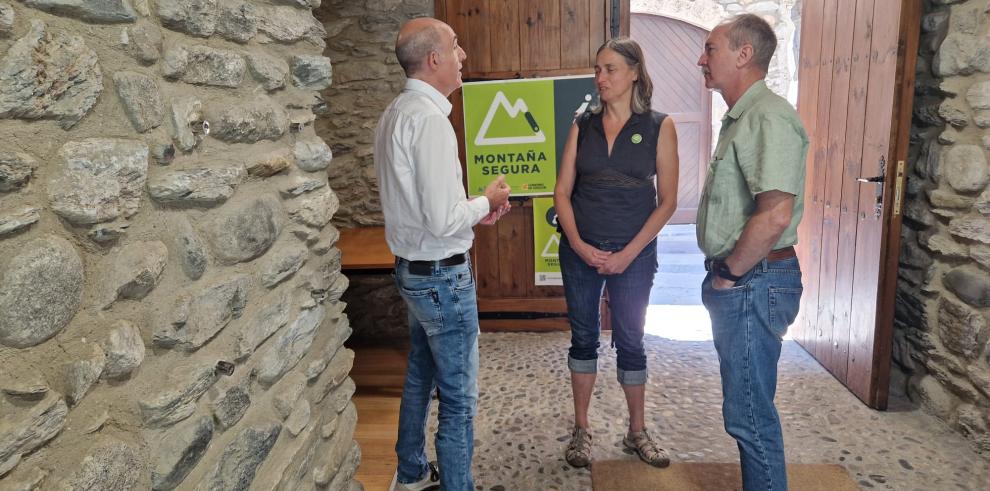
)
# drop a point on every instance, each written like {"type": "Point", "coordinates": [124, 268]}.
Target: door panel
{"type": "Point", "coordinates": [518, 38]}
{"type": "Point", "coordinates": [859, 68]}
{"type": "Point", "coordinates": [479, 21]}
{"type": "Point", "coordinates": [574, 22]}
{"type": "Point", "coordinates": [845, 184]}
{"type": "Point", "coordinates": [832, 348]}
{"type": "Point", "coordinates": [539, 28]}
{"type": "Point", "coordinates": [671, 48]}
{"type": "Point", "coordinates": [692, 145]}
{"type": "Point", "coordinates": [816, 173]}
{"type": "Point", "coordinates": [504, 28]}
{"type": "Point", "coordinates": [804, 329]}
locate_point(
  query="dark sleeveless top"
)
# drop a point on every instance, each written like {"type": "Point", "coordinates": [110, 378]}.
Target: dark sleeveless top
{"type": "Point", "coordinates": [614, 194]}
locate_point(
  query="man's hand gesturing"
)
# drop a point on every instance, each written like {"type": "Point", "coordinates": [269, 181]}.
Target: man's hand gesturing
{"type": "Point", "coordinates": [497, 193]}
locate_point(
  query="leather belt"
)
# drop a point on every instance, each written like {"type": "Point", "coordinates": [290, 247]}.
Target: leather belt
{"type": "Point", "coordinates": [775, 255]}
{"type": "Point", "coordinates": [782, 253]}
{"type": "Point", "coordinates": [426, 267]}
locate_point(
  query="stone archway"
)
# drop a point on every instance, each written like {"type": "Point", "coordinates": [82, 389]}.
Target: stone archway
{"type": "Point", "coordinates": [705, 13]}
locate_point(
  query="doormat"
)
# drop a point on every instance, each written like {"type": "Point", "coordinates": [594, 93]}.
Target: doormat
{"type": "Point", "coordinates": [629, 475]}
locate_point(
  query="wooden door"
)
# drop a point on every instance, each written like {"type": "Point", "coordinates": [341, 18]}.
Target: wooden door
{"type": "Point", "coordinates": [855, 92]}
{"type": "Point", "coordinates": [671, 48]}
{"type": "Point", "coordinates": [514, 39]}
{"type": "Point", "coordinates": [525, 38]}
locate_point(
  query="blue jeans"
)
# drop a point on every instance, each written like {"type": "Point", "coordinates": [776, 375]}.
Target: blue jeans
{"type": "Point", "coordinates": [629, 295]}
{"type": "Point", "coordinates": [748, 322]}
{"type": "Point", "coordinates": [443, 354]}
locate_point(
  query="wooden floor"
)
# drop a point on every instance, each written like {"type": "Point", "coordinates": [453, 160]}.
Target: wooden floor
{"type": "Point", "coordinates": [378, 373]}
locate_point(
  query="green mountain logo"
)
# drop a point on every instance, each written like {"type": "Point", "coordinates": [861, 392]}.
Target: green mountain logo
{"type": "Point", "coordinates": [533, 133]}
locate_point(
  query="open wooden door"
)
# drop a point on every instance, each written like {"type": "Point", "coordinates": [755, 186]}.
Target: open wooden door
{"type": "Point", "coordinates": [856, 84]}
{"type": "Point", "coordinates": [515, 39]}
{"type": "Point", "coordinates": [671, 48]}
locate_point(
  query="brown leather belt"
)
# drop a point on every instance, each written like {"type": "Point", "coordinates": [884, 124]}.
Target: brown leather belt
{"type": "Point", "coordinates": [782, 253]}
{"type": "Point", "coordinates": [775, 255]}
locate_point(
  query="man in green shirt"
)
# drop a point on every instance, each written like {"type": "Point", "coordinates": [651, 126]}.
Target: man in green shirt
{"type": "Point", "coordinates": [747, 227]}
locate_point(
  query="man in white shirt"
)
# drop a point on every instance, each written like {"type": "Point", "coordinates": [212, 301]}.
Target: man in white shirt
{"type": "Point", "coordinates": [428, 226]}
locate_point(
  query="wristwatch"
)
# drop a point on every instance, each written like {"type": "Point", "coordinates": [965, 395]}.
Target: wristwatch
{"type": "Point", "coordinates": [722, 271]}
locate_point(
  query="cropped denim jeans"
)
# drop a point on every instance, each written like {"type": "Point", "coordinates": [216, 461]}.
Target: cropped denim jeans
{"type": "Point", "coordinates": [443, 355]}
{"type": "Point", "coordinates": [748, 322]}
{"type": "Point", "coordinates": [629, 295]}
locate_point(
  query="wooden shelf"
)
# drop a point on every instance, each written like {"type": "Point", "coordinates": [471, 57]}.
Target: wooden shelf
{"type": "Point", "coordinates": [364, 248]}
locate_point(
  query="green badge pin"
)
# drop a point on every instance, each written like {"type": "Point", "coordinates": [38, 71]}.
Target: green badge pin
{"type": "Point", "coordinates": [636, 138]}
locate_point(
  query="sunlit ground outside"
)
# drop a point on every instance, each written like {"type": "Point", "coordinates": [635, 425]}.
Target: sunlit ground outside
{"type": "Point", "coordinates": [675, 310]}
{"type": "Point", "coordinates": [680, 322]}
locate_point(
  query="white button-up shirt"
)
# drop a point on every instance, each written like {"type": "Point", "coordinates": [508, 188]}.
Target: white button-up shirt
{"type": "Point", "coordinates": [427, 213]}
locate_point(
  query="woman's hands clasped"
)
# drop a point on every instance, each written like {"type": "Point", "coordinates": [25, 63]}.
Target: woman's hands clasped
{"type": "Point", "coordinates": [616, 263]}
{"type": "Point", "coordinates": [605, 262]}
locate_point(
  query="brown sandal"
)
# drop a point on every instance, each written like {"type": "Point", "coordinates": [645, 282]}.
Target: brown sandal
{"type": "Point", "coordinates": [578, 452]}
{"type": "Point", "coordinates": [646, 448]}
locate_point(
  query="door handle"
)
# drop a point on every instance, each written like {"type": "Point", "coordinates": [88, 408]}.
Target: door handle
{"type": "Point", "coordinates": [878, 205]}
{"type": "Point", "coordinates": [876, 179]}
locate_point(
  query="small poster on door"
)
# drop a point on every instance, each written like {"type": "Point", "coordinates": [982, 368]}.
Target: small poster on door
{"type": "Point", "coordinates": [546, 242]}
{"type": "Point", "coordinates": [518, 128]}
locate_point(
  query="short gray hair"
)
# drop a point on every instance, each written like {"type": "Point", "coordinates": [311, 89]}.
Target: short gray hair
{"type": "Point", "coordinates": [413, 50]}
{"type": "Point", "coordinates": [751, 29]}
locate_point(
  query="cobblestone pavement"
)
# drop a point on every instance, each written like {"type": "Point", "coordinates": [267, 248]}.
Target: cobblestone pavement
{"type": "Point", "coordinates": [525, 416]}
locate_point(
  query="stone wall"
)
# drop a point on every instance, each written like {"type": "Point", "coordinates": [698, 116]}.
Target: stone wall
{"type": "Point", "coordinates": [376, 311]}
{"type": "Point", "coordinates": [169, 285]}
{"type": "Point", "coordinates": [943, 292]}
{"type": "Point", "coordinates": [361, 43]}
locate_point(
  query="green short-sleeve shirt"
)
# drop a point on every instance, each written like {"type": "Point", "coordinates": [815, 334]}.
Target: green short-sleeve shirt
{"type": "Point", "coordinates": [761, 147]}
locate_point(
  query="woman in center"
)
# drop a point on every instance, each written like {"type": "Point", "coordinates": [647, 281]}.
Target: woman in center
{"type": "Point", "coordinates": [616, 188]}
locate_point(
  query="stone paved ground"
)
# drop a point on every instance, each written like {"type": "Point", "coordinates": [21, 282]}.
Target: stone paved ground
{"type": "Point", "coordinates": [525, 415]}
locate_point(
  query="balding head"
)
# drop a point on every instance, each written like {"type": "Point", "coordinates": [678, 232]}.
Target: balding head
{"type": "Point", "coordinates": [417, 39]}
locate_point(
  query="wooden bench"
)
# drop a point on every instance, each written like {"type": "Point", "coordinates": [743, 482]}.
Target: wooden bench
{"type": "Point", "coordinates": [363, 250]}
